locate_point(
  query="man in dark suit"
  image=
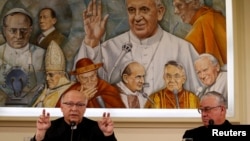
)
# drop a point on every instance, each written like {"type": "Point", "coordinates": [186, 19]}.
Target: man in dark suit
{"type": "Point", "coordinates": [73, 125]}
{"type": "Point", "coordinates": [47, 21]}
{"type": "Point", "coordinates": [213, 114]}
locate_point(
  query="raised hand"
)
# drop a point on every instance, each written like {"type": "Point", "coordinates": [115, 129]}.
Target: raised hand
{"type": "Point", "coordinates": [106, 124]}
{"type": "Point", "coordinates": [94, 24]}
{"type": "Point", "coordinates": [89, 92]}
{"type": "Point", "coordinates": [42, 124]}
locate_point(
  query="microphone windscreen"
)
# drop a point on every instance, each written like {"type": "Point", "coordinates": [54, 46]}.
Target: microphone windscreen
{"type": "Point", "coordinates": [73, 125]}
{"type": "Point", "coordinates": [175, 91]}
{"type": "Point", "coordinates": [211, 122]}
{"type": "Point", "coordinates": [100, 101]}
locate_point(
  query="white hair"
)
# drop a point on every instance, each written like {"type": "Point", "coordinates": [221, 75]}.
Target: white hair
{"type": "Point", "coordinates": [157, 2]}
{"type": "Point", "coordinates": [213, 59]}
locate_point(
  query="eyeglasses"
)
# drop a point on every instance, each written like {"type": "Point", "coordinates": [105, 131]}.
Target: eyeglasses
{"type": "Point", "coordinates": [71, 104]}
{"type": "Point", "coordinates": [176, 76]}
{"type": "Point", "coordinates": [207, 109]}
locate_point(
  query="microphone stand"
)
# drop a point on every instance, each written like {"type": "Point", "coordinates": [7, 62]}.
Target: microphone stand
{"type": "Point", "coordinates": [145, 95]}
{"type": "Point", "coordinates": [175, 91]}
{"type": "Point", "coordinates": [125, 49]}
{"type": "Point", "coordinates": [73, 127]}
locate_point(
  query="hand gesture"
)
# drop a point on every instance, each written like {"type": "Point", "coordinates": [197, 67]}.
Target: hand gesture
{"type": "Point", "coordinates": [43, 122]}
{"type": "Point", "coordinates": [106, 124]}
{"type": "Point", "coordinates": [94, 24]}
{"type": "Point", "coordinates": [89, 92]}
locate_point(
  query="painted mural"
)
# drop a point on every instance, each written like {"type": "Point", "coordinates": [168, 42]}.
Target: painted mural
{"type": "Point", "coordinates": [119, 53]}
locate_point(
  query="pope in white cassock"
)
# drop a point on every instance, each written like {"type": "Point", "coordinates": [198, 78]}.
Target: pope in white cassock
{"type": "Point", "coordinates": [21, 63]}
{"type": "Point", "coordinates": [151, 45]}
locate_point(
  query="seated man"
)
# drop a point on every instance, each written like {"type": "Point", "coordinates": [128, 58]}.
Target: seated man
{"type": "Point", "coordinates": [173, 95]}
{"type": "Point", "coordinates": [213, 112]}
{"type": "Point", "coordinates": [100, 94]}
{"type": "Point", "coordinates": [73, 126]}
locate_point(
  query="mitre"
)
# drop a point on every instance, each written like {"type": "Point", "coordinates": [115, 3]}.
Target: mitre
{"type": "Point", "coordinates": [54, 58]}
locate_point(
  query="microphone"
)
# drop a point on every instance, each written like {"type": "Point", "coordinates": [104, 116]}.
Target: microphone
{"type": "Point", "coordinates": [100, 101]}
{"type": "Point", "coordinates": [73, 127]}
{"type": "Point", "coordinates": [125, 49]}
{"type": "Point", "coordinates": [145, 95]}
{"type": "Point", "coordinates": [175, 91]}
{"type": "Point", "coordinates": [211, 122]}
{"type": "Point", "coordinates": [200, 91]}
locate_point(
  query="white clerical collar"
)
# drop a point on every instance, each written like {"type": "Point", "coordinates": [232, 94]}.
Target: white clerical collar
{"type": "Point", "coordinates": [148, 41]}
{"type": "Point", "coordinates": [18, 50]}
{"type": "Point", "coordinates": [125, 89]}
{"type": "Point", "coordinates": [47, 32]}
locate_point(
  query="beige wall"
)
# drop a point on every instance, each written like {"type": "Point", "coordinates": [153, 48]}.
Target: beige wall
{"type": "Point", "coordinates": [172, 129]}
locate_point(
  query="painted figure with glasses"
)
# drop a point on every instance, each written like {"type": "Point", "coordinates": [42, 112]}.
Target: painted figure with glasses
{"type": "Point", "coordinates": [21, 63]}
{"type": "Point", "coordinates": [173, 95]}
{"type": "Point", "coordinates": [73, 125]}
{"type": "Point", "coordinates": [100, 94]}
{"type": "Point", "coordinates": [213, 112]}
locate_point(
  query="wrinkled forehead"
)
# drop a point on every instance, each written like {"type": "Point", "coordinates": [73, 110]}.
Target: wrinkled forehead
{"type": "Point", "coordinates": [74, 96]}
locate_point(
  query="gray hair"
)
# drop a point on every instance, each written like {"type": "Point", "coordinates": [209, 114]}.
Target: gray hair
{"type": "Point", "coordinates": [213, 59]}
{"type": "Point", "coordinates": [157, 2]}
{"type": "Point", "coordinates": [177, 65]}
{"type": "Point", "coordinates": [220, 98]}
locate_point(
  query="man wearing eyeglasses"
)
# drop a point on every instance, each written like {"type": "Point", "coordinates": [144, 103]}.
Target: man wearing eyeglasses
{"type": "Point", "coordinates": [174, 95]}
{"type": "Point", "coordinates": [73, 126]}
{"type": "Point", "coordinates": [213, 112]}
{"type": "Point", "coordinates": [21, 63]}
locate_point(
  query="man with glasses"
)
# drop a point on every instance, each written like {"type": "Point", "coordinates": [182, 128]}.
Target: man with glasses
{"type": "Point", "coordinates": [21, 63]}
{"type": "Point", "coordinates": [174, 95]}
{"type": "Point", "coordinates": [100, 94]}
{"type": "Point", "coordinates": [213, 112]}
{"type": "Point", "coordinates": [73, 126]}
